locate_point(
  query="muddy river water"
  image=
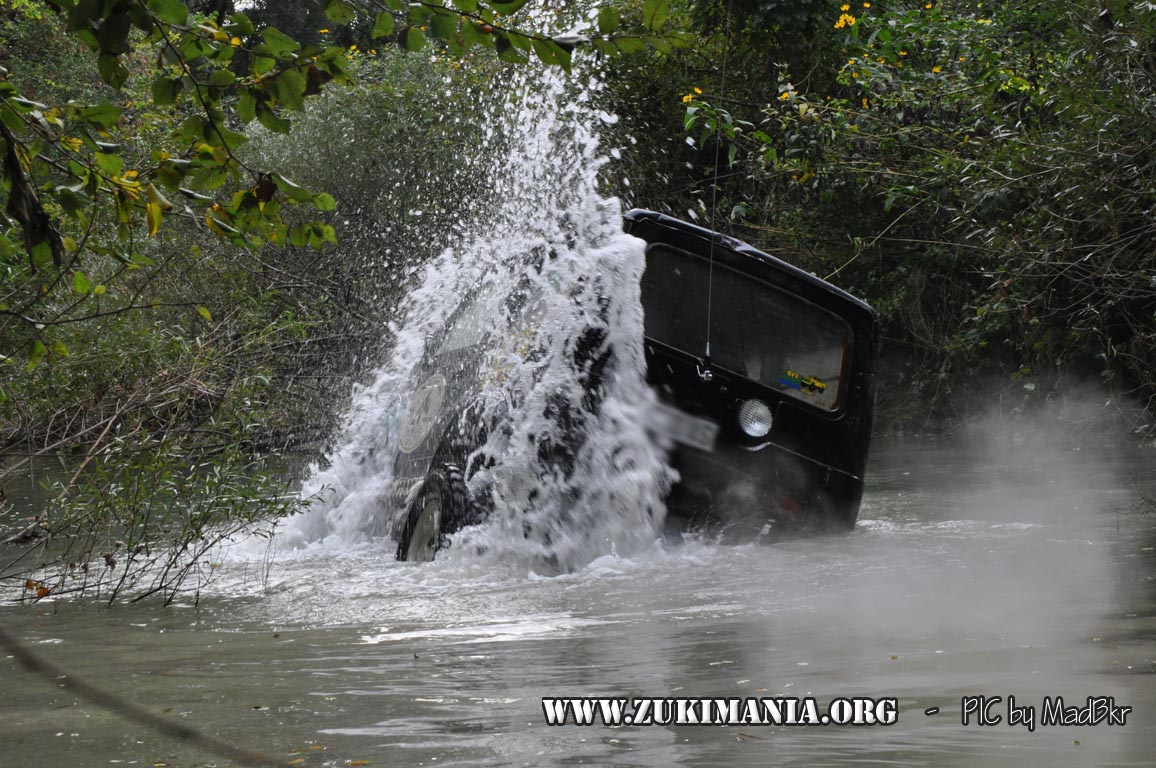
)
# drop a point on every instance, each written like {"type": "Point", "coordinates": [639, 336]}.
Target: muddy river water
{"type": "Point", "coordinates": [977, 569]}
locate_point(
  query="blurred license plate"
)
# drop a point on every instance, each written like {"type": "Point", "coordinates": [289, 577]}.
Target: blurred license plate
{"type": "Point", "coordinates": [683, 428]}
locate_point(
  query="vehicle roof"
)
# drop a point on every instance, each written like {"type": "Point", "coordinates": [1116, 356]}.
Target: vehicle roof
{"type": "Point", "coordinates": [654, 227]}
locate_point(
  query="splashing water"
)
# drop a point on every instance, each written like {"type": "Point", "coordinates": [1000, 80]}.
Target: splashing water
{"type": "Point", "coordinates": [547, 233]}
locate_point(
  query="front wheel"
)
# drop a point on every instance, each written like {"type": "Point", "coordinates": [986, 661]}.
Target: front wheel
{"type": "Point", "coordinates": [441, 508]}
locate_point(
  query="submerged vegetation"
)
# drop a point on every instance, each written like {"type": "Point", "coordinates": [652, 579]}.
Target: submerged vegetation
{"type": "Point", "coordinates": [210, 207]}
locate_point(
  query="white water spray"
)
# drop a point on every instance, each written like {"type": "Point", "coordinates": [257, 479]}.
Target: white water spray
{"type": "Point", "coordinates": [545, 226]}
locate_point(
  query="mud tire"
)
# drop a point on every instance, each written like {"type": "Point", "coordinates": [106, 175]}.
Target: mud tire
{"type": "Point", "coordinates": [441, 507]}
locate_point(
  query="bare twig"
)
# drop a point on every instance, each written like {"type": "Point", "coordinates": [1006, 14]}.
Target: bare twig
{"type": "Point", "coordinates": [41, 666]}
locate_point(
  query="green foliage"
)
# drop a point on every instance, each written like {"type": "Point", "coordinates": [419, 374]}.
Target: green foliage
{"type": "Point", "coordinates": [164, 313]}
{"type": "Point", "coordinates": [89, 180]}
{"type": "Point", "coordinates": [976, 170]}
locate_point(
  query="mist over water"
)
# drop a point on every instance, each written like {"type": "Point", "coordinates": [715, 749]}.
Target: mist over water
{"type": "Point", "coordinates": [542, 230]}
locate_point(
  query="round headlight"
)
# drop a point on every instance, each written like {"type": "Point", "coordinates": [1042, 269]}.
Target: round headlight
{"type": "Point", "coordinates": [755, 418]}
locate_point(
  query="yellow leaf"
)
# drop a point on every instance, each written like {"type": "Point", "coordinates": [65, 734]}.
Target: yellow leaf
{"type": "Point", "coordinates": [205, 313]}
{"type": "Point", "coordinates": [153, 214]}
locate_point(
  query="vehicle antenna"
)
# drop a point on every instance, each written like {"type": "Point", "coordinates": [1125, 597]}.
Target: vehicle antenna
{"type": "Point", "coordinates": [706, 373]}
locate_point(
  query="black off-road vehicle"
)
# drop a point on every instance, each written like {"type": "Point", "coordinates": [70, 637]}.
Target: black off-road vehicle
{"type": "Point", "coordinates": [764, 372]}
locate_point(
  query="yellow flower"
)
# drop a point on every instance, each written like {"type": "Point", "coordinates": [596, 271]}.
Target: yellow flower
{"type": "Point", "coordinates": [903, 53]}
{"type": "Point", "coordinates": [698, 91]}
{"type": "Point", "coordinates": [235, 41]}
{"type": "Point", "coordinates": [845, 20]}
{"type": "Point", "coordinates": [851, 61]}
{"type": "Point", "coordinates": [323, 31]}
{"type": "Point", "coordinates": [688, 98]}
{"type": "Point", "coordinates": [927, 6]}
{"type": "Point", "coordinates": [866, 5]}
{"type": "Point", "coordinates": [864, 102]}
{"type": "Point", "coordinates": [844, 7]}
{"type": "Point", "coordinates": [784, 95]}
{"type": "Point", "coordinates": [937, 69]}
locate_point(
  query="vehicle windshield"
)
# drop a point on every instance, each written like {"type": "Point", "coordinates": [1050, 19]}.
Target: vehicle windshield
{"type": "Point", "coordinates": [472, 324]}
{"type": "Point", "coordinates": [757, 330]}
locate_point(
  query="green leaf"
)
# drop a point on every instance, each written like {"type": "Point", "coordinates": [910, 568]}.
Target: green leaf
{"type": "Point", "coordinates": [105, 115]}
{"type": "Point", "coordinates": [519, 41]}
{"type": "Point", "coordinates": [239, 24]}
{"type": "Point", "coordinates": [552, 53]}
{"type": "Point", "coordinates": [414, 39]}
{"type": "Point", "coordinates": [605, 46]}
{"type": "Point", "coordinates": [84, 14]}
{"type": "Point", "coordinates": [111, 70]}
{"type": "Point", "coordinates": [506, 50]}
{"type": "Point", "coordinates": [325, 232]}
{"type": "Point", "coordinates": [466, 6]}
{"type": "Point", "coordinates": [169, 11]}
{"type": "Point", "coordinates": [42, 253]}
{"type": "Point", "coordinates": [608, 20]}
{"type": "Point", "coordinates": [630, 44]}
{"type": "Point", "coordinates": [110, 165]}
{"type": "Point", "coordinates": [35, 354]}
{"type": "Point", "coordinates": [444, 24]}
{"type": "Point", "coordinates": [290, 86]}
{"type": "Point", "coordinates": [277, 42]}
{"type": "Point", "coordinates": [205, 313]}
{"type": "Point", "coordinates": [165, 90]}
{"type": "Point", "coordinates": [261, 64]}
{"type": "Point", "coordinates": [80, 284]}
{"type": "Point", "coordinates": [299, 236]}
{"type": "Point", "coordinates": [268, 118]}
{"type": "Point", "coordinates": [222, 77]}
{"type": "Point", "coordinates": [509, 7]}
{"type": "Point", "coordinates": [113, 34]}
{"type": "Point", "coordinates": [382, 25]}
{"type": "Point", "coordinates": [660, 44]}
{"type": "Point", "coordinates": [294, 192]}
{"type": "Point", "coordinates": [655, 13]}
{"type": "Point", "coordinates": [246, 106]}
{"type": "Point", "coordinates": [324, 202]}
{"type": "Point", "coordinates": [71, 201]}
{"type": "Point", "coordinates": [339, 11]}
